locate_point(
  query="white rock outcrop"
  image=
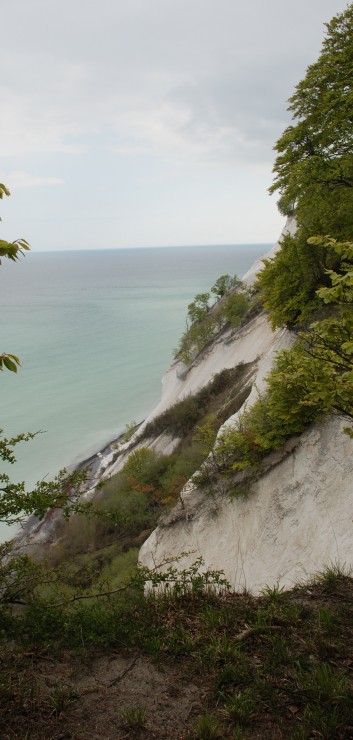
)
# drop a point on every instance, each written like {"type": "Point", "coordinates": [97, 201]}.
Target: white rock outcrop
{"type": "Point", "coordinates": [297, 516]}
{"type": "Point", "coordinates": [295, 520]}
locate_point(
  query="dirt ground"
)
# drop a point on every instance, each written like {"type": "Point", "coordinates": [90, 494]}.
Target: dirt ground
{"type": "Point", "coordinates": [99, 700]}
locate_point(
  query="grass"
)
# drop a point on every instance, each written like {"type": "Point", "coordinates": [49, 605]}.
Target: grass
{"type": "Point", "coordinates": [207, 727]}
{"type": "Point", "coordinates": [223, 395]}
{"type": "Point", "coordinates": [133, 717]}
{"type": "Point", "coordinates": [273, 666]}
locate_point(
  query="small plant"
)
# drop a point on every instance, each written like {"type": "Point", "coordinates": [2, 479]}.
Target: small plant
{"type": "Point", "coordinates": [207, 727]}
{"type": "Point", "coordinates": [133, 718]}
{"type": "Point", "coordinates": [60, 700]}
{"type": "Point", "coordinates": [326, 621]}
{"type": "Point", "coordinates": [273, 593]}
{"type": "Point", "coordinates": [237, 733]}
{"type": "Point", "coordinates": [331, 576]}
{"type": "Point", "coordinates": [238, 673]}
{"type": "Point", "coordinates": [321, 684]}
{"type": "Point", "coordinates": [129, 430]}
{"type": "Point", "coordinates": [241, 707]}
{"type": "Point", "coordinates": [323, 724]}
{"type": "Point", "coordinates": [222, 650]}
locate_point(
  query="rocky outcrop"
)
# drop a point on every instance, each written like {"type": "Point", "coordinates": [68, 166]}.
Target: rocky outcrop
{"type": "Point", "coordinates": [291, 522]}
{"type": "Point", "coordinates": [279, 526]}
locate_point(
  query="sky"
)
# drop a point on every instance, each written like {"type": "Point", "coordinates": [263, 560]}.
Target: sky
{"type": "Point", "coordinates": [136, 123]}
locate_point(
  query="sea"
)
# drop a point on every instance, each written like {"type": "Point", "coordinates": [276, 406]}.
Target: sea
{"type": "Point", "coordinates": [94, 330]}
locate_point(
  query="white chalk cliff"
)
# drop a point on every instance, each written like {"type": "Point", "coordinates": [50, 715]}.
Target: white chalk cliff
{"type": "Point", "coordinates": [297, 515]}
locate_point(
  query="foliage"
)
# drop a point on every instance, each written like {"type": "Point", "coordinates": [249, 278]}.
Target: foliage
{"type": "Point", "coordinates": [207, 727]}
{"type": "Point", "coordinates": [133, 718]}
{"type": "Point", "coordinates": [196, 338]}
{"type": "Point", "coordinates": [234, 308]}
{"type": "Point", "coordinates": [288, 283]}
{"type": "Point", "coordinates": [224, 284]}
{"type": "Point", "coordinates": [313, 378]}
{"type": "Point", "coordinates": [130, 429]}
{"type": "Point", "coordinates": [314, 175]}
{"type": "Point", "coordinates": [63, 492]}
{"type": "Point", "coordinates": [19, 575]}
{"type": "Point", "coordinates": [284, 675]}
{"type": "Point", "coordinates": [205, 322]}
{"type": "Point", "coordinates": [220, 396]}
{"type": "Point", "coordinates": [11, 362]}
{"type": "Point", "coordinates": [317, 150]}
{"type": "Point", "coordinates": [197, 310]}
{"type": "Point", "coordinates": [11, 250]}
{"type": "Point", "coordinates": [284, 410]}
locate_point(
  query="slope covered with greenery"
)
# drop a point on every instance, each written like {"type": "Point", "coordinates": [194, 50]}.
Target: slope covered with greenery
{"type": "Point", "coordinates": [204, 321]}
{"type": "Point", "coordinates": [308, 285]}
{"type": "Point", "coordinates": [276, 666]}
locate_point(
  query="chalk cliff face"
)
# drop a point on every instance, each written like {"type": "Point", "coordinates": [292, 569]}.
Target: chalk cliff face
{"type": "Point", "coordinates": [254, 342]}
{"type": "Point", "coordinates": [296, 517]}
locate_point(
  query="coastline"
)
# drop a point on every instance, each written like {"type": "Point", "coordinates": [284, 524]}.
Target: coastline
{"type": "Point", "coordinates": [132, 361]}
{"type": "Point", "coordinates": [95, 460]}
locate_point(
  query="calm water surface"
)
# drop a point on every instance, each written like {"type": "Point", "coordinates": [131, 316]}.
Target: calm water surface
{"type": "Point", "coordinates": [95, 331]}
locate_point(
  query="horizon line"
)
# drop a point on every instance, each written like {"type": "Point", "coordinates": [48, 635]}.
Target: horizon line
{"type": "Point", "coordinates": [164, 246]}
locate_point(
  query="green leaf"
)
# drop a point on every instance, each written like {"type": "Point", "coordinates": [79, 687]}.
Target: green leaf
{"type": "Point", "coordinates": [9, 364]}
{"type": "Point", "coordinates": [15, 358]}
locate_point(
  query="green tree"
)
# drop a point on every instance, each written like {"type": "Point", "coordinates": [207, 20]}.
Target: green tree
{"type": "Point", "coordinates": [224, 284]}
{"type": "Point", "coordinates": [197, 310]}
{"type": "Point", "coordinates": [314, 177]}
{"type": "Point", "coordinates": [288, 283]}
{"type": "Point", "coordinates": [234, 308]}
{"type": "Point", "coordinates": [313, 378]}
{"type": "Point", "coordinates": [317, 149]}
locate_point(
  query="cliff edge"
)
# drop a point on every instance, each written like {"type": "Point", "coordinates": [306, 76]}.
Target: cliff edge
{"type": "Point", "coordinates": [295, 517]}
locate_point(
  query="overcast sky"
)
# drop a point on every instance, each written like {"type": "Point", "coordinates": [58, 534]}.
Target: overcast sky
{"type": "Point", "coordinates": [129, 123]}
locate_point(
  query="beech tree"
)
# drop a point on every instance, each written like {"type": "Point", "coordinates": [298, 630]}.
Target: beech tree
{"type": "Point", "coordinates": [315, 152]}
{"type": "Point", "coordinates": [314, 177]}
{"type": "Point", "coordinates": [224, 284]}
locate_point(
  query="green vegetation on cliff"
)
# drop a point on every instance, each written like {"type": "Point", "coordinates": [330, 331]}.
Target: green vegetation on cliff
{"type": "Point", "coordinates": [314, 176]}
{"type": "Point", "coordinates": [204, 322]}
{"type": "Point", "coordinates": [267, 667]}
{"type": "Point", "coordinates": [308, 285]}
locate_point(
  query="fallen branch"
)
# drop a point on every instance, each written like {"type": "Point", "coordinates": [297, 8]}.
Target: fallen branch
{"type": "Point", "coordinates": [256, 630]}
{"type": "Point", "coordinates": [123, 674]}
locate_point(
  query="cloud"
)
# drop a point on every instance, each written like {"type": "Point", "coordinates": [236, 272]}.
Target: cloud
{"type": "Point", "coordinates": [184, 79]}
{"type": "Point", "coordinates": [142, 108]}
{"type": "Point", "coordinates": [20, 179]}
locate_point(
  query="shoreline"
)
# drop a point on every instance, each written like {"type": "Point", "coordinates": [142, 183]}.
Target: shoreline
{"type": "Point", "coordinates": [94, 460]}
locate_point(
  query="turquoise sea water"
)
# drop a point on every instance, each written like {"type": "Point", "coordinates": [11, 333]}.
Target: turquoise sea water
{"type": "Point", "coordinates": [95, 331]}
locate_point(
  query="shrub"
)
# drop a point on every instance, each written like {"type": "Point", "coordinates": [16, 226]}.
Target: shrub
{"type": "Point", "coordinates": [234, 308]}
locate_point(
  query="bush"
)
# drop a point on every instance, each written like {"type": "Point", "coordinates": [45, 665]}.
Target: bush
{"type": "Point", "coordinates": [234, 308]}
{"type": "Point", "coordinates": [288, 282]}
{"type": "Point", "coordinates": [204, 323]}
